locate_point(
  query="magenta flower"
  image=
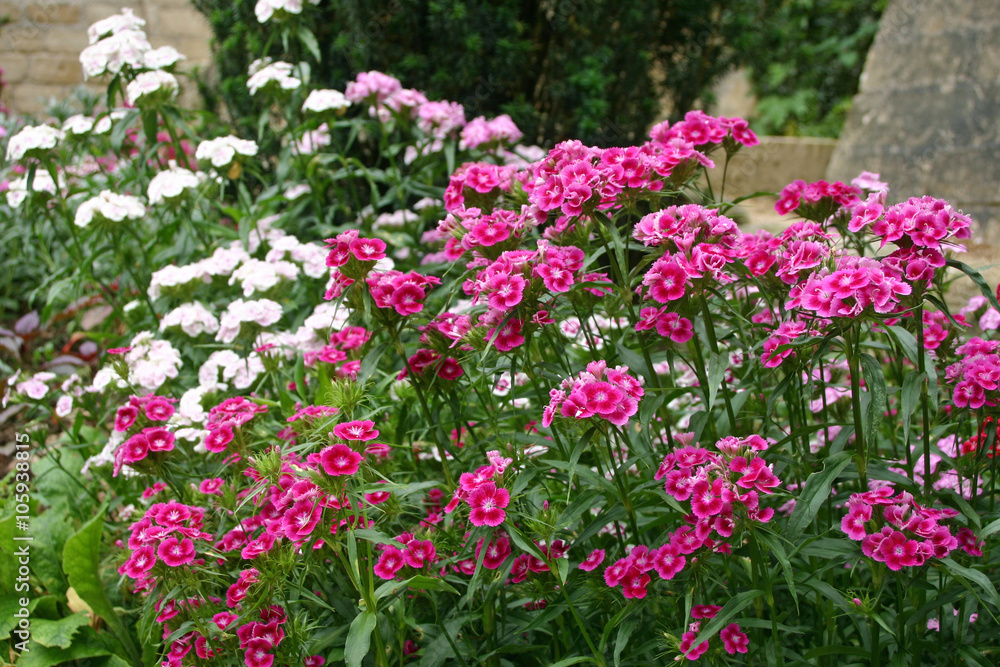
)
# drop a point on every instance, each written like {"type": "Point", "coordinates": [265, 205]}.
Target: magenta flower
{"type": "Point", "coordinates": [419, 553]}
{"type": "Point", "coordinates": [258, 653]}
{"type": "Point", "coordinates": [592, 561]}
{"type": "Point", "coordinates": [176, 552]}
{"type": "Point", "coordinates": [140, 562]}
{"type": "Point", "coordinates": [301, 518]}
{"type": "Point", "coordinates": [339, 460]}
{"type": "Point", "coordinates": [486, 505]}
{"type": "Point", "coordinates": [687, 647]}
{"type": "Point", "coordinates": [356, 430]}
{"type": "Point", "coordinates": [135, 448]}
{"type": "Point", "coordinates": [159, 410]}
{"type": "Point", "coordinates": [125, 417]}
{"type": "Point", "coordinates": [733, 640]}
{"type": "Point", "coordinates": [668, 561]}
{"type": "Point", "coordinates": [634, 583]}
{"type": "Point", "coordinates": [389, 563]}
{"type": "Point", "coordinates": [159, 439]}
{"type": "Point", "coordinates": [218, 438]}
{"type": "Point", "coordinates": [368, 250]}
{"type": "Point", "coordinates": [496, 552]}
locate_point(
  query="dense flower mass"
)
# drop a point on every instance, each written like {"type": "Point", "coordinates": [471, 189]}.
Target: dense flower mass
{"type": "Point", "coordinates": [441, 433]}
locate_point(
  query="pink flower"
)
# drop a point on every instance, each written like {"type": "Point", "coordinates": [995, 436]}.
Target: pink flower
{"type": "Point", "coordinates": [301, 518]}
{"type": "Point", "coordinates": [419, 553]}
{"type": "Point", "coordinates": [486, 505]}
{"type": "Point", "coordinates": [140, 562]}
{"type": "Point", "coordinates": [368, 250]}
{"type": "Point", "coordinates": [496, 552]}
{"type": "Point", "coordinates": [733, 640]}
{"type": "Point", "coordinates": [356, 430]}
{"type": "Point", "coordinates": [389, 563]}
{"type": "Point", "coordinates": [668, 561]}
{"type": "Point", "coordinates": [176, 552]}
{"type": "Point", "coordinates": [218, 438]}
{"type": "Point", "coordinates": [159, 439]}
{"type": "Point", "coordinates": [135, 448]}
{"type": "Point", "coordinates": [211, 486]}
{"type": "Point", "coordinates": [592, 561]}
{"type": "Point", "coordinates": [508, 337]}
{"type": "Point", "coordinates": [634, 583]}
{"type": "Point", "coordinates": [125, 417]}
{"type": "Point", "coordinates": [339, 460]}
{"type": "Point", "coordinates": [407, 299]}
{"type": "Point", "coordinates": [676, 328]}
{"type": "Point", "coordinates": [258, 653]}
{"type": "Point", "coordinates": [687, 641]}
{"type": "Point", "coordinates": [159, 410]}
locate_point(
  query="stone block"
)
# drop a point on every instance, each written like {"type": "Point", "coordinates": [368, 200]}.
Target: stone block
{"type": "Point", "coordinates": [56, 69]}
{"type": "Point", "coordinates": [53, 12]}
{"type": "Point", "coordinates": [33, 98]}
{"type": "Point", "coordinates": [178, 22]}
{"type": "Point", "coordinates": [95, 11]}
{"type": "Point", "coordinates": [66, 40]}
{"type": "Point", "coordinates": [15, 67]}
{"type": "Point", "coordinates": [10, 10]}
{"type": "Point", "coordinates": [23, 36]}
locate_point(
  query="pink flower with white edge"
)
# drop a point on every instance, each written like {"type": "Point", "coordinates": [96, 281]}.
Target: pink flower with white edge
{"type": "Point", "coordinates": [176, 552]}
{"type": "Point", "coordinates": [486, 505]}
{"type": "Point", "coordinates": [356, 430]}
{"type": "Point", "coordinates": [339, 460]}
{"type": "Point", "coordinates": [389, 563]}
{"type": "Point", "coordinates": [593, 561]}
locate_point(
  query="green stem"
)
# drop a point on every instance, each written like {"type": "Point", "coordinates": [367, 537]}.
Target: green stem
{"type": "Point", "coordinates": [852, 340]}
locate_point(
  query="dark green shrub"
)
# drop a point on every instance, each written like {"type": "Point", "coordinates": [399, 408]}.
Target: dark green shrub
{"type": "Point", "coordinates": [597, 71]}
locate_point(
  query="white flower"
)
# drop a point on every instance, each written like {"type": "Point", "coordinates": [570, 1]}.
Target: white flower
{"type": "Point", "coordinates": [163, 57]}
{"type": "Point", "coordinates": [325, 100]}
{"type": "Point", "coordinates": [110, 55]}
{"type": "Point", "coordinates": [109, 206]}
{"type": "Point", "coordinates": [222, 151]}
{"type": "Point", "coordinates": [190, 405]}
{"type": "Point", "coordinates": [148, 85]}
{"type": "Point", "coordinates": [395, 220]}
{"type": "Point", "coordinates": [172, 183]}
{"type": "Point", "coordinates": [151, 361]}
{"type": "Point", "coordinates": [78, 124]}
{"type": "Point", "coordinates": [35, 387]}
{"type": "Point", "coordinates": [31, 138]}
{"type": "Point", "coordinates": [192, 318]}
{"type": "Point", "coordinates": [262, 312]}
{"type": "Point", "coordinates": [279, 73]}
{"type": "Point", "coordinates": [294, 192]}
{"type": "Point", "coordinates": [257, 276]}
{"type": "Point", "coordinates": [265, 9]}
{"type": "Point", "coordinates": [114, 24]}
{"type": "Point", "coordinates": [17, 191]}
{"type": "Point", "coordinates": [64, 406]}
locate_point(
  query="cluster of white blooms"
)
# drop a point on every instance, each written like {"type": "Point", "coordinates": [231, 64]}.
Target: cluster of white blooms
{"type": "Point", "coordinates": [255, 275]}
{"type": "Point", "coordinates": [222, 262]}
{"type": "Point", "coordinates": [192, 318]}
{"type": "Point", "coordinates": [228, 368]}
{"type": "Point", "coordinates": [191, 406]}
{"type": "Point", "coordinates": [262, 312]}
{"type": "Point", "coordinates": [119, 41]}
{"type": "Point", "coordinates": [155, 85]}
{"type": "Point", "coordinates": [263, 74]}
{"type": "Point", "coordinates": [320, 101]}
{"type": "Point", "coordinates": [172, 183]}
{"type": "Point", "coordinates": [311, 256]}
{"type": "Point", "coordinates": [150, 363]}
{"type": "Point", "coordinates": [222, 151]}
{"type": "Point", "coordinates": [265, 9]}
{"type": "Point", "coordinates": [111, 207]}
{"type": "Point", "coordinates": [17, 189]}
{"type": "Point", "coordinates": [78, 124]}
{"type": "Point", "coordinates": [33, 138]}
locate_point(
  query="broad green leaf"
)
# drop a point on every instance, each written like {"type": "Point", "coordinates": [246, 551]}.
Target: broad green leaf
{"type": "Point", "coordinates": [624, 632]}
{"type": "Point", "coordinates": [58, 633]}
{"type": "Point", "coordinates": [875, 381]}
{"type": "Point", "coordinates": [815, 493]}
{"type": "Point", "coordinates": [967, 575]}
{"type": "Point", "coordinates": [910, 397]}
{"type": "Point", "coordinates": [717, 364]}
{"type": "Point", "coordinates": [730, 609]}
{"type": "Point", "coordinates": [359, 638]}
{"type": "Point", "coordinates": [906, 341]}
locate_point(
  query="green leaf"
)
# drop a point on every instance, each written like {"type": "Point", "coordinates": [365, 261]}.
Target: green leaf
{"type": "Point", "coordinates": [624, 632]}
{"type": "Point", "coordinates": [309, 41]}
{"type": "Point", "coordinates": [977, 278]}
{"type": "Point", "coordinates": [815, 493]}
{"type": "Point", "coordinates": [875, 381]}
{"type": "Point", "coordinates": [965, 575]}
{"type": "Point", "coordinates": [419, 582]}
{"type": "Point", "coordinates": [359, 638]}
{"type": "Point", "coordinates": [58, 633]}
{"type": "Point", "coordinates": [717, 364]}
{"type": "Point", "coordinates": [906, 341]}
{"type": "Point", "coordinates": [730, 609]}
{"type": "Point", "coordinates": [910, 396]}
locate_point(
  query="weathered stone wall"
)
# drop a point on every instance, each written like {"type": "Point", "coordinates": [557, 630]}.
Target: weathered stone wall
{"type": "Point", "coordinates": [927, 116]}
{"type": "Point", "coordinates": [40, 47]}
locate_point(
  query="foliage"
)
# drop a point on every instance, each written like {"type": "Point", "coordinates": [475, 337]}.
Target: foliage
{"type": "Point", "coordinates": [806, 65]}
{"type": "Point", "coordinates": [453, 399]}
{"type": "Point", "coordinates": [595, 71]}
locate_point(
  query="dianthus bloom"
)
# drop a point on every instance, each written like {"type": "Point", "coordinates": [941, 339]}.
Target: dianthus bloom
{"type": "Point", "coordinates": [608, 393]}
{"type": "Point", "coordinates": [339, 460]}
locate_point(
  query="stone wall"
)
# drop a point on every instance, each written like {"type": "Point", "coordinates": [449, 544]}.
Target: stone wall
{"type": "Point", "coordinates": [927, 116]}
{"type": "Point", "coordinates": [40, 47]}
